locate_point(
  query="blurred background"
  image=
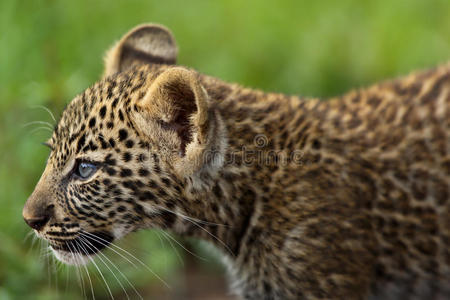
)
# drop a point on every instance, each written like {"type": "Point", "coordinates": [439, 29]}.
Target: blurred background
{"type": "Point", "coordinates": [52, 50]}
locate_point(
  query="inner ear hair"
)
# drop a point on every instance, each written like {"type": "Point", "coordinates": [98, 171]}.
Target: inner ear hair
{"type": "Point", "coordinates": [183, 99]}
{"type": "Point", "coordinates": [144, 44]}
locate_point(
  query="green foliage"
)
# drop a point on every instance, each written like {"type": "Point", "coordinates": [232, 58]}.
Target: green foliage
{"type": "Point", "coordinates": [52, 50]}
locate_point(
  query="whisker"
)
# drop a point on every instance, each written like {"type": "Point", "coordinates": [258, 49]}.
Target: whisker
{"type": "Point", "coordinates": [84, 242]}
{"type": "Point", "coordinates": [181, 245]}
{"type": "Point", "coordinates": [99, 271]}
{"type": "Point", "coordinates": [67, 279]}
{"type": "Point", "coordinates": [40, 128]}
{"type": "Point", "coordinates": [80, 277]}
{"type": "Point", "coordinates": [28, 235]}
{"type": "Point", "coordinates": [34, 240]}
{"type": "Point", "coordinates": [47, 260]}
{"type": "Point", "coordinates": [173, 247]}
{"type": "Point", "coordinates": [105, 243]}
{"type": "Point", "coordinates": [204, 229]}
{"type": "Point", "coordinates": [192, 219]}
{"type": "Point", "coordinates": [90, 281]}
{"type": "Point", "coordinates": [112, 264]}
{"type": "Point", "coordinates": [46, 109]}
{"type": "Point", "coordinates": [47, 124]}
{"type": "Point", "coordinates": [55, 273]}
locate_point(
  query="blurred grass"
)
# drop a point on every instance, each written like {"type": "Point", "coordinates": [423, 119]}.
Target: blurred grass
{"type": "Point", "coordinates": [52, 50]}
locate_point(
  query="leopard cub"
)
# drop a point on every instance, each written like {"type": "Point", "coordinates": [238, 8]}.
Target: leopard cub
{"type": "Point", "coordinates": [306, 199]}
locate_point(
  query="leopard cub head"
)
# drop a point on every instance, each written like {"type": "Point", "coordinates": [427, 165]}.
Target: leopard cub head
{"type": "Point", "coordinates": [126, 151]}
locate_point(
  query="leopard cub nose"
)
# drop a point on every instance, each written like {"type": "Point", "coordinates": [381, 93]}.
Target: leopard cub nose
{"type": "Point", "coordinates": [37, 218]}
{"type": "Point", "coordinates": [37, 223]}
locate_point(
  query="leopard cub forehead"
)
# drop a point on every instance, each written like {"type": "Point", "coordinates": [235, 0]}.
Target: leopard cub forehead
{"type": "Point", "coordinates": [98, 119]}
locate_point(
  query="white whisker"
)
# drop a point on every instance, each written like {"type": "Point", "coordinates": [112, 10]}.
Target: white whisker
{"type": "Point", "coordinates": [47, 124]}
{"type": "Point", "coordinates": [105, 243]}
{"type": "Point", "coordinates": [192, 219]}
{"type": "Point", "coordinates": [204, 229]}
{"type": "Point", "coordinates": [100, 272]}
{"type": "Point", "coordinates": [46, 109]}
{"type": "Point", "coordinates": [112, 264]}
{"type": "Point", "coordinates": [173, 247]}
{"type": "Point", "coordinates": [40, 128]}
{"type": "Point", "coordinates": [84, 242]}
{"type": "Point", "coordinates": [90, 281]}
{"type": "Point", "coordinates": [80, 276]}
{"type": "Point", "coordinates": [181, 245]}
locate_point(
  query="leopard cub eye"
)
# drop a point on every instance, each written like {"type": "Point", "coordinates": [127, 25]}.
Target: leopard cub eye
{"type": "Point", "coordinates": [84, 170]}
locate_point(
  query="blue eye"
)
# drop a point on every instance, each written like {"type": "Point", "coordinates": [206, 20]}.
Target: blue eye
{"type": "Point", "coordinates": [85, 170]}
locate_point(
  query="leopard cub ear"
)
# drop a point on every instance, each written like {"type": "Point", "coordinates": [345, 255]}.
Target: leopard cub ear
{"type": "Point", "coordinates": [177, 113]}
{"type": "Point", "coordinates": [144, 44]}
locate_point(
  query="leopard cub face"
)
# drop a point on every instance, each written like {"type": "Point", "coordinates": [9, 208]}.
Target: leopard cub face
{"type": "Point", "coordinates": [124, 150]}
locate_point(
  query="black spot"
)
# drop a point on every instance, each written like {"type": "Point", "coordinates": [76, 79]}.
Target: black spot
{"type": "Point", "coordinates": [110, 171]}
{"type": "Point", "coordinates": [143, 172]}
{"type": "Point", "coordinates": [162, 193]}
{"type": "Point", "coordinates": [106, 181]}
{"type": "Point", "coordinates": [111, 214]}
{"type": "Point", "coordinates": [170, 204]}
{"type": "Point", "coordinates": [129, 144]}
{"type": "Point", "coordinates": [146, 196]}
{"type": "Point", "coordinates": [139, 183]}
{"type": "Point", "coordinates": [141, 158]}
{"type": "Point", "coordinates": [110, 92]}
{"type": "Point", "coordinates": [92, 146]}
{"type": "Point", "coordinates": [121, 115]}
{"type": "Point", "coordinates": [125, 172]}
{"type": "Point", "coordinates": [316, 144]}
{"type": "Point", "coordinates": [138, 209]}
{"type": "Point", "coordinates": [123, 134]}
{"type": "Point", "coordinates": [112, 143]}
{"type": "Point", "coordinates": [110, 161]}
{"type": "Point", "coordinates": [166, 181]}
{"type": "Point", "coordinates": [114, 104]}
{"type": "Point", "coordinates": [103, 143]}
{"type": "Point", "coordinates": [110, 125]}
{"type": "Point", "coordinates": [215, 208]}
{"type": "Point", "coordinates": [103, 112]}
{"type": "Point", "coordinates": [217, 191]}
{"type": "Point", "coordinates": [144, 145]}
{"type": "Point", "coordinates": [126, 157]}
{"type": "Point", "coordinates": [81, 142]}
{"type": "Point", "coordinates": [129, 184]}
{"type": "Point", "coordinates": [92, 122]}
{"type": "Point", "coordinates": [267, 288]}
{"type": "Point", "coordinates": [168, 219]}
{"type": "Point", "coordinates": [121, 208]}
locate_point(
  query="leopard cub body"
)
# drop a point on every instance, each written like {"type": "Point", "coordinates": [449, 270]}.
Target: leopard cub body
{"type": "Point", "coordinates": [306, 199]}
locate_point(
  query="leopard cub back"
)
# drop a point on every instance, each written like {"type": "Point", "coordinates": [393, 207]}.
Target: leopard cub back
{"type": "Point", "coordinates": [340, 199]}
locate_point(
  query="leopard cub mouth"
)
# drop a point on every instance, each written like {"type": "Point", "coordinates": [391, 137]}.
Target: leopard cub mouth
{"type": "Point", "coordinates": [78, 250]}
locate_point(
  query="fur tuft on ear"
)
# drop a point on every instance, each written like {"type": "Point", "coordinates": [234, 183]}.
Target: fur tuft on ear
{"type": "Point", "coordinates": [144, 44]}
{"type": "Point", "coordinates": [186, 122]}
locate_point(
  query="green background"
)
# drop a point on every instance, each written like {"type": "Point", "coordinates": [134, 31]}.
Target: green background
{"type": "Point", "coordinates": [52, 50]}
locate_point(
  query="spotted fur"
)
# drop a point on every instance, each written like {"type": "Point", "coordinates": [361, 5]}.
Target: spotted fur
{"type": "Point", "coordinates": [306, 199]}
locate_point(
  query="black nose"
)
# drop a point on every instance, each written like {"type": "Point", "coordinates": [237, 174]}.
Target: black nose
{"type": "Point", "coordinates": [37, 217]}
{"type": "Point", "coordinates": [37, 223]}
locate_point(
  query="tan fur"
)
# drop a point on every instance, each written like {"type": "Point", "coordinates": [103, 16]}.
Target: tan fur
{"type": "Point", "coordinates": [306, 199]}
